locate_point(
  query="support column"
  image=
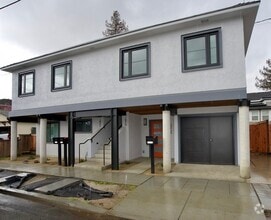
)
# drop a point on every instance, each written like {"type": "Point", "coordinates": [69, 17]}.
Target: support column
{"type": "Point", "coordinates": [71, 152]}
{"type": "Point", "coordinates": [13, 141]}
{"type": "Point", "coordinates": [176, 137]}
{"type": "Point", "coordinates": [38, 138]}
{"type": "Point", "coordinates": [115, 139]}
{"type": "Point", "coordinates": [244, 139]}
{"type": "Point", "coordinates": [166, 142]}
{"type": "Point", "coordinates": [43, 134]}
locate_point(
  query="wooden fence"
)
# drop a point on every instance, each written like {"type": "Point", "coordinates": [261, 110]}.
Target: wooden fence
{"type": "Point", "coordinates": [260, 137]}
{"type": "Point", "coordinates": [26, 143]}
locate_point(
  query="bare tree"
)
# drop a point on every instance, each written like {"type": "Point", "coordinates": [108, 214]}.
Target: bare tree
{"type": "Point", "coordinates": [265, 82]}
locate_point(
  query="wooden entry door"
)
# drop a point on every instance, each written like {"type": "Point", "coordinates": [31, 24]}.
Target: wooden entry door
{"type": "Point", "coordinates": [156, 129]}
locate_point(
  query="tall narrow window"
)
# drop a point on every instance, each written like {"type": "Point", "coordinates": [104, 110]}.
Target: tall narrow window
{"type": "Point", "coordinates": [26, 83]}
{"type": "Point", "coordinates": [134, 61]}
{"type": "Point", "coordinates": [201, 50]}
{"type": "Point", "coordinates": [61, 76]}
{"type": "Point", "coordinates": [53, 130]}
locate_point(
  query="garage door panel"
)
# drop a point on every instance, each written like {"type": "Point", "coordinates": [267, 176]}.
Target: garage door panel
{"type": "Point", "coordinates": [221, 140]}
{"type": "Point", "coordinates": [207, 140]}
{"type": "Point", "coordinates": [194, 140]}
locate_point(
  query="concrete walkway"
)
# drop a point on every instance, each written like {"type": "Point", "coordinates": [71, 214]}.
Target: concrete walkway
{"type": "Point", "coordinates": [168, 197]}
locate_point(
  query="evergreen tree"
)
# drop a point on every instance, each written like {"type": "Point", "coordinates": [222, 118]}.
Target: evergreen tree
{"type": "Point", "coordinates": [116, 26]}
{"type": "Point", "coordinates": [265, 82]}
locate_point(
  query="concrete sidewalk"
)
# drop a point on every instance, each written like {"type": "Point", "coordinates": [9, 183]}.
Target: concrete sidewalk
{"type": "Point", "coordinates": [165, 197]}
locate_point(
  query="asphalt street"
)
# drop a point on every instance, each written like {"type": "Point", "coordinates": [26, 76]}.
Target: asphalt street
{"type": "Point", "coordinates": [12, 207]}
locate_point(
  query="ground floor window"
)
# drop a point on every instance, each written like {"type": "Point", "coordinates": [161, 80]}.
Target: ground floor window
{"type": "Point", "coordinates": [53, 130]}
{"type": "Point", "coordinates": [265, 115]}
{"type": "Point", "coordinates": [83, 125]}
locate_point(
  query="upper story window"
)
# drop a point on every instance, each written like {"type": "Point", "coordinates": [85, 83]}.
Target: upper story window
{"type": "Point", "coordinates": [26, 83]}
{"type": "Point", "coordinates": [201, 50]}
{"type": "Point", "coordinates": [135, 61]}
{"type": "Point", "coordinates": [61, 76]}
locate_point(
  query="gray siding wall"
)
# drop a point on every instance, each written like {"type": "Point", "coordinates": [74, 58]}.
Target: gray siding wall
{"type": "Point", "coordinates": [95, 74]}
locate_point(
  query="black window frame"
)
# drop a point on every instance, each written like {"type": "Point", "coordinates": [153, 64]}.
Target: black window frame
{"type": "Point", "coordinates": [130, 49]}
{"type": "Point", "coordinates": [49, 123]}
{"type": "Point", "coordinates": [53, 67]}
{"type": "Point", "coordinates": [20, 76]}
{"type": "Point", "coordinates": [206, 34]}
{"type": "Point", "coordinates": [83, 120]}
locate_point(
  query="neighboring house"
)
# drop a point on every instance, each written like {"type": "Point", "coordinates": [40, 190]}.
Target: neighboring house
{"type": "Point", "coordinates": [22, 128]}
{"type": "Point", "coordinates": [183, 81]}
{"type": "Point", "coordinates": [260, 106]}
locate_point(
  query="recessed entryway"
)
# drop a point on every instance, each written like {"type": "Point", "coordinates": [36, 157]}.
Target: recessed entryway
{"type": "Point", "coordinates": [207, 140]}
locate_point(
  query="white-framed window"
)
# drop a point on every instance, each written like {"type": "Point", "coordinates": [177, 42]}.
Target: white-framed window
{"type": "Point", "coordinates": [255, 115]}
{"type": "Point", "coordinates": [265, 115]}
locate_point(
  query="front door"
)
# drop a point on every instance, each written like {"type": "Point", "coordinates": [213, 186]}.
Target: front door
{"type": "Point", "coordinates": [156, 129]}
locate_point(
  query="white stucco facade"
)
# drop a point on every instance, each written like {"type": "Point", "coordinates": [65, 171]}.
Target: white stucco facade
{"type": "Point", "coordinates": [167, 92]}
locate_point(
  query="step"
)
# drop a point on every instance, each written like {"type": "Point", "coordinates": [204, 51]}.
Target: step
{"type": "Point", "coordinates": [107, 156]}
{"type": "Point", "coordinates": [106, 147]}
{"type": "Point", "coordinates": [100, 160]}
{"type": "Point", "coordinates": [101, 151]}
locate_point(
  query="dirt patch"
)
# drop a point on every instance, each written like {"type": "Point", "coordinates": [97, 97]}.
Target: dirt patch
{"type": "Point", "coordinates": [33, 159]}
{"type": "Point", "coordinates": [119, 193]}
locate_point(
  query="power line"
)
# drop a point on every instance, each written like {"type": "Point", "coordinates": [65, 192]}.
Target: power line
{"type": "Point", "coordinates": [12, 3]}
{"type": "Point", "coordinates": [267, 19]}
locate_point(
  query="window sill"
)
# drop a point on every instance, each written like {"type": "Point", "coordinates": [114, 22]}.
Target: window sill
{"type": "Point", "coordinates": [61, 89]}
{"type": "Point", "coordinates": [202, 68]}
{"type": "Point", "coordinates": [135, 77]}
{"type": "Point", "coordinates": [26, 95]}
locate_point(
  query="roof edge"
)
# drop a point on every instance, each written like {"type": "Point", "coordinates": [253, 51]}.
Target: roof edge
{"type": "Point", "coordinates": [16, 65]}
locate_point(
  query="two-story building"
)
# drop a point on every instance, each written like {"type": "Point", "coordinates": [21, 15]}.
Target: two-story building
{"type": "Point", "coordinates": [183, 81]}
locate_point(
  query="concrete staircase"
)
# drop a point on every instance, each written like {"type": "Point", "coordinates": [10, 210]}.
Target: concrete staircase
{"type": "Point", "coordinates": [98, 157]}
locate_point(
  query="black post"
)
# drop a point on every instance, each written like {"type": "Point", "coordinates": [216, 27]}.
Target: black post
{"type": "Point", "coordinates": [152, 158]}
{"type": "Point", "coordinates": [59, 154]}
{"type": "Point", "coordinates": [65, 154]}
{"type": "Point", "coordinates": [115, 139]}
{"type": "Point", "coordinates": [71, 158]}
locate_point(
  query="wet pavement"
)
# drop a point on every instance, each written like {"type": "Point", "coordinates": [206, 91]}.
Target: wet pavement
{"type": "Point", "coordinates": [12, 207]}
{"type": "Point", "coordinates": [174, 196]}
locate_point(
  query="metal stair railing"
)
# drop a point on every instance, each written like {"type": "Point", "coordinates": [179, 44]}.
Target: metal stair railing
{"type": "Point", "coordinates": [91, 139]}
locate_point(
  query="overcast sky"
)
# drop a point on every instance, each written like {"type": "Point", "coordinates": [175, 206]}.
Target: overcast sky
{"type": "Point", "coordinates": [31, 28]}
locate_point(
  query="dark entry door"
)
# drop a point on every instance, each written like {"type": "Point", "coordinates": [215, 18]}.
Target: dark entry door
{"type": "Point", "coordinates": [207, 140]}
{"type": "Point", "coordinates": [156, 129]}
